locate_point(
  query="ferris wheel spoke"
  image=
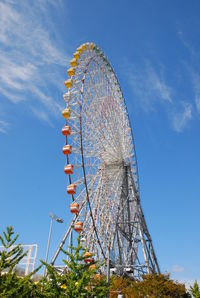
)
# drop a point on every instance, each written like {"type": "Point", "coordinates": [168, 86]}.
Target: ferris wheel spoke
{"type": "Point", "coordinates": [80, 198]}
{"type": "Point", "coordinates": [95, 134]}
{"type": "Point", "coordinates": [102, 215]}
{"type": "Point", "coordinates": [88, 224]}
{"type": "Point", "coordinates": [102, 127]}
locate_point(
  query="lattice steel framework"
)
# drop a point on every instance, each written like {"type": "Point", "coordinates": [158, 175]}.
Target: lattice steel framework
{"type": "Point", "coordinates": [27, 263]}
{"type": "Point", "coordinates": [105, 167]}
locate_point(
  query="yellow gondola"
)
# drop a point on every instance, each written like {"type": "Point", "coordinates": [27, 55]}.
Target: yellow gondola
{"type": "Point", "coordinates": [66, 113]}
{"type": "Point", "coordinates": [73, 62]}
{"type": "Point", "coordinates": [71, 71]}
{"type": "Point", "coordinates": [68, 83]}
{"type": "Point", "coordinates": [77, 55]}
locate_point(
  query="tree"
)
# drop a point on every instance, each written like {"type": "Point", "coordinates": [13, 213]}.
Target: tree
{"type": "Point", "coordinates": [195, 290]}
{"type": "Point", "coordinates": [12, 254]}
{"type": "Point", "coordinates": [160, 285]}
{"type": "Point", "coordinates": [11, 285]}
{"type": "Point", "coordinates": [79, 280]}
{"type": "Point", "coordinates": [151, 286]}
{"type": "Point", "coordinates": [121, 285]}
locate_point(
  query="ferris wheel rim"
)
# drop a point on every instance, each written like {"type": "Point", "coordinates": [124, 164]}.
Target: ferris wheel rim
{"type": "Point", "coordinates": [108, 182]}
{"type": "Point", "coordinates": [82, 154]}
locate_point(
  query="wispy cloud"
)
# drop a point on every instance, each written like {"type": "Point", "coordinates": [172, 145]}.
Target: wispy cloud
{"type": "Point", "coordinates": [3, 126]}
{"type": "Point", "coordinates": [196, 85]}
{"type": "Point", "coordinates": [192, 69]}
{"type": "Point", "coordinates": [151, 89]}
{"type": "Point", "coordinates": [42, 115]}
{"type": "Point", "coordinates": [181, 118]}
{"type": "Point", "coordinates": [148, 85]}
{"type": "Point", "coordinates": [30, 59]}
{"type": "Point", "coordinates": [177, 269]}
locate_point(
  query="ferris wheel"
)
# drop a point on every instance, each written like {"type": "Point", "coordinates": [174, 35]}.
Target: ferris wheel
{"type": "Point", "coordinates": [101, 167]}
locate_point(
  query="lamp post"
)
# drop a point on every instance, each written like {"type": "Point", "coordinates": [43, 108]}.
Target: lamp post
{"type": "Point", "coordinates": [59, 220]}
{"type": "Point", "coordinates": [108, 269]}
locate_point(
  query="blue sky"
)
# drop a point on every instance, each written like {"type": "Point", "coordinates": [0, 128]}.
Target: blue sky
{"type": "Point", "coordinates": [154, 47]}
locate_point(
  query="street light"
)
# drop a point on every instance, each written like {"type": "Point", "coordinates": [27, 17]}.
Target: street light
{"type": "Point", "coordinates": [59, 220]}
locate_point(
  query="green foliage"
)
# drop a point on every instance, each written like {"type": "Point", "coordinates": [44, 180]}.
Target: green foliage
{"type": "Point", "coordinates": [78, 281]}
{"type": "Point", "coordinates": [151, 286]}
{"type": "Point", "coordinates": [78, 277]}
{"type": "Point", "coordinates": [50, 285]}
{"type": "Point", "coordinates": [195, 290]}
{"type": "Point", "coordinates": [12, 254]}
{"type": "Point", "coordinates": [162, 286]}
{"type": "Point", "coordinates": [11, 285]}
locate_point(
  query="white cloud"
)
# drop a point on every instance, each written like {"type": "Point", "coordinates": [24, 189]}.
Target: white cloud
{"type": "Point", "coordinates": [30, 59]}
{"type": "Point", "coordinates": [15, 76]}
{"type": "Point", "coordinates": [42, 115]}
{"type": "Point", "coordinates": [47, 101]}
{"type": "Point", "coordinates": [177, 269]}
{"type": "Point", "coordinates": [198, 103]}
{"type": "Point", "coordinates": [23, 28]}
{"type": "Point", "coordinates": [148, 85]}
{"type": "Point", "coordinates": [181, 118]}
{"type": "Point", "coordinates": [196, 85]}
{"type": "Point", "coordinates": [192, 69]}
{"type": "Point", "coordinates": [9, 18]}
{"type": "Point", "coordinates": [151, 89]}
{"type": "Point", "coordinates": [3, 126]}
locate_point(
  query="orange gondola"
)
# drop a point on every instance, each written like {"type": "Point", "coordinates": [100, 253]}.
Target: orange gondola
{"type": "Point", "coordinates": [67, 149]}
{"type": "Point", "coordinates": [78, 227]}
{"type": "Point", "coordinates": [97, 276]}
{"type": "Point", "coordinates": [69, 169]}
{"type": "Point", "coordinates": [88, 257]}
{"type": "Point", "coordinates": [71, 189]}
{"type": "Point", "coordinates": [93, 267]}
{"type": "Point", "coordinates": [66, 130]}
{"type": "Point", "coordinates": [74, 208]}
